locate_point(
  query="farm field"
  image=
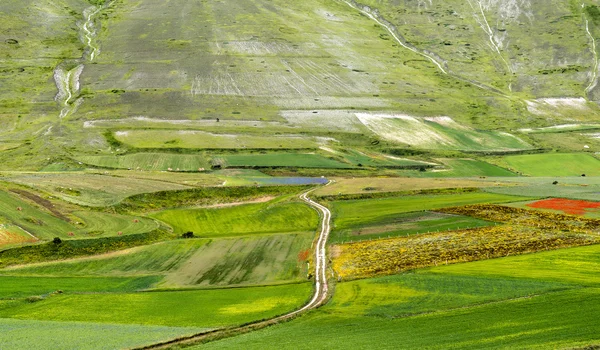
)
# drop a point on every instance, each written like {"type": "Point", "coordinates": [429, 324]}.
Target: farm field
{"type": "Point", "coordinates": [65, 335]}
{"type": "Point", "coordinates": [349, 174]}
{"type": "Point", "coordinates": [202, 308]}
{"type": "Point", "coordinates": [430, 308]}
{"type": "Point", "coordinates": [45, 225]}
{"type": "Point", "coordinates": [563, 206]}
{"type": "Point", "coordinates": [439, 133]}
{"type": "Point", "coordinates": [561, 164]}
{"type": "Point", "coordinates": [44, 287]}
{"type": "Point", "coordinates": [246, 219]}
{"type": "Point", "coordinates": [301, 160]}
{"type": "Point", "coordinates": [467, 168]}
{"type": "Point", "coordinates": [585, 188]}
{"type": "Point", "coordinates": [149, 161]}
{"type": "Point", "coordinates": [352, 213]}
{"type": "Point", "coordinates": [204, 140]}
{"type": "Point", "coordinates": [194, 262]}
{"type": "Point", "coordinates": [407, 224]}
{"type": "Point", "coordinates": [92, 189]}
{"type": "Point", "coordinates": [364, 185]}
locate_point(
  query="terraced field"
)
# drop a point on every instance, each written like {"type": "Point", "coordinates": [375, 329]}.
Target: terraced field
{"type": "Point", "coordinates": [194, 263]}
{"type": "Point", "coordinates": [149, 161]}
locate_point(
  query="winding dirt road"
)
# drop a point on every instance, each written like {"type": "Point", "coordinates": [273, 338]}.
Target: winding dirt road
{"type": "Point", "coordinates": [319, 297]}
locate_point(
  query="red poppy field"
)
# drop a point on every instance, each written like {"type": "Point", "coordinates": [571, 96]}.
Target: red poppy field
{"type": "Point", "coordinates": [568, 206]}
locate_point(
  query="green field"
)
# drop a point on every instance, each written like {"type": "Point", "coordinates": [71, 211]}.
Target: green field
{"type": "Point", "coordinates": [194, 262]}
{"type": "Point", "coordinates": [269, 217]}
{"type": "Point", "coordinates": [407, 224]}
{"type": "Point", "coordinates": [300, 160]}
{"type": "Point", "coordinates": [149, 161]}
{"type": "Point", "coordinates": [559, 164]}
{"type": "Point", "coordinates": [26, 286]}
{"type": "Point", "coordinates": [65, 335]}
{"type": "Point", "coordinates": [349, 214]}
{"type": "Point", "coordinates": [95, 189]}
{"type": "Point", "coordinates": [499, 303]}
{"type": "Point", "coordinates": [205, 140]}
{"type": "Point", "coordinates": [468, 167]}
{"type": "Point", "coordinates": [566, 187]}
{"type": "Point", "coordinates": [203, 308]}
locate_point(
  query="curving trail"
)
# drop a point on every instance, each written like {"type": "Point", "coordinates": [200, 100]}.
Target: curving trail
{"type": "Point", "coordinates": [320, 295]}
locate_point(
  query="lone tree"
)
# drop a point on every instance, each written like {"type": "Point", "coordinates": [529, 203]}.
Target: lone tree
{"type": "Point", "coordinates": [188, 234]}
{"type": "Point", "coordinates": [57, 240]}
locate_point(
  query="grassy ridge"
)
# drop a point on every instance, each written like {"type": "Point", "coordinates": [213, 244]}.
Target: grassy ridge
{"type": "Point", "coordinates": [270, 217]}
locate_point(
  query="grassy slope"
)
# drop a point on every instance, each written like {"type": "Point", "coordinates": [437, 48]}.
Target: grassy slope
{"type": "Point", "coordinates": [360, 212]}
{"type": "Point", "coordinates": [270, 217]}
{"type": "Point", "coordinates": [93, 224]}
{"type": "Point", "coordinates": [500, 303]}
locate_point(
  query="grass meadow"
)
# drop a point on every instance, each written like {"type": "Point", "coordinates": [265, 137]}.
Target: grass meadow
{"type": "Point", "coordinates": [246, 219]}
{"type": "Point", "coordinates": [199, 308]}
{"type": "Point", "coordinates": [559, 164]}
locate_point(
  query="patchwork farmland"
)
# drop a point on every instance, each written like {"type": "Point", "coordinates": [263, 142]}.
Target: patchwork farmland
{"type": "Point", "coordinates": [299, 175]}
